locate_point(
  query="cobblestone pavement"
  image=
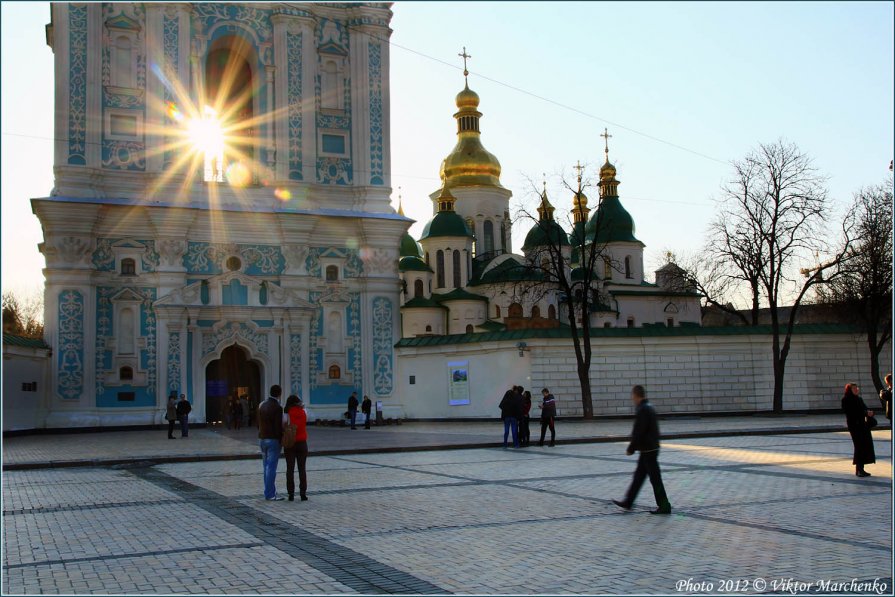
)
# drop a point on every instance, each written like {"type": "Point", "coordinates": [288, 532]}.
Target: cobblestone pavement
{"type": "Point", "coordinates": [485, 521]}
{"type": "Point", "coordinates": [221, 443]}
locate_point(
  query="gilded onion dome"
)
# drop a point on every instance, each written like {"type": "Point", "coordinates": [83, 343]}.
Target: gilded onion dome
{"type": "Point", "coordinates": [446, 222]}
{"type": "Point", "coordinates": [547, 232]}
{"type": "Point", "coordinates": [469, 164]}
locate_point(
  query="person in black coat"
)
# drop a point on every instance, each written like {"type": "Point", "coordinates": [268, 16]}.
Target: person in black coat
{"type": "Point", "coordinates": [856, 413]}
{"type": "Point", "coordinates": [352, 409]}
{"type": "Point", "coordinates": [510, 412]}
{"type": "Point", "coordinates": [366, 407]}
{"type": "Point", "coordinates": [645, 439]}
{"type": "Point", "coordinates": [548, 415]}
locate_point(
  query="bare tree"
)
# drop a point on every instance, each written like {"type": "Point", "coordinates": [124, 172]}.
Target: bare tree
{"type": "Point", "coordinates": [863, 290]}
{"type": "Point", "coordinates": [773, 217]}
{"type": "Point", "coordinates": [567, 265]}
{"type": "Point", "coordinates": [23, 316]}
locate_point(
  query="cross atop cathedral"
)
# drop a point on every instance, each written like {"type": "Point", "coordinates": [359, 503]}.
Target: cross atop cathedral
{"type": "Point", "coordinates": [606, 136]}
{"type": "Point", "coordinates": [464, 56]}
{"type": "Point", "coordinates": [544, 174]}
{"type": "Point", "coordinates": [579, 167]}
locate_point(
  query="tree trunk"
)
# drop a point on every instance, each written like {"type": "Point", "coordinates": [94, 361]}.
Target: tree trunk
{"type": "Point", "coordinates": [875, 349]}
{"type": "Point", "coordinates": [587, 404]}
{"type": "Point", "coordinates": [779, 367]}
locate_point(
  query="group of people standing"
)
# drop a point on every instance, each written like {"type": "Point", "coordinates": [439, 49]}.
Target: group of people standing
{"type": "Point", "coordinates": [273, 422]}
{"type": "Point", "coordinates": [515, 410]}
{"type": "Point", "coordinates": [366, 408]}
{"type": "Point", "coordinates": [178, 410]}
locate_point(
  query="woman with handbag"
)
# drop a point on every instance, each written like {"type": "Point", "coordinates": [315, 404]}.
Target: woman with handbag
{"type": "Point", "coordinates": [859, 420]}
{"type": "Point", "coordinates": [295, 420]}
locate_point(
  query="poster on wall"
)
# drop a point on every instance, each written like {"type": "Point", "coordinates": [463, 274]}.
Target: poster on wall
{"type": "Point", "coordinates": [458, 383]}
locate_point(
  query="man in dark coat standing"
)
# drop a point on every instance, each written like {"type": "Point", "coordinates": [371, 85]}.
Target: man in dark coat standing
{"type": "Point", "coordinates": [183, 415]}
{"type": "Point", "coordinates": [366, 407]}
{"type": "Point", "coordinates": [645, 439]}
{"type": "Point", "coordinates": [352, 408]}
{"type": "Point", "coordinates": [510, 411]}
{"type": "Point", "coordinates": [270, 433]}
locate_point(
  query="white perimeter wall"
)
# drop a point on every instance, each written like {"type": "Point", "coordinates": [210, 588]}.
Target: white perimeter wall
{"type": "Point", "coordinates": [24, 410]}
{"type": "Point", "coordinates": [681, 374]}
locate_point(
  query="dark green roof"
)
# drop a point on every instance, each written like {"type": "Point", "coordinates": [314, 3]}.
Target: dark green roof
{"type": "Point", "coordinates": [492, 326]}
{"type": "Point", "coordinates": [611, 223]}
{"type": "Point", "coordinates": [445, 223]}
{"type": "Point", "coordinates": [458, 294]}
{"type": "Point", "coordinates": [15, 340]}
{"type": "Point", "coordinates": [413, 264]}
{"type": "Point", "coordinates": [565, 332]}
{"type": "Point", "coordinates": [409, 247]}
{"type": "Point", "coordinates": [419, 302]}
{"type": "Point", "coordinates": [579, 273]}
{"type": "Point", "coordinates": [509, 270]}
{"type": "Point", "coordinates": [544, 234]}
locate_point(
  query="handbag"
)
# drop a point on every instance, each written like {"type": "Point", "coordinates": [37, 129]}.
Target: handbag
{"type": "Point", "coordinates": [872, 422]}
{"type": "Point", "coordinates": [289, 431]}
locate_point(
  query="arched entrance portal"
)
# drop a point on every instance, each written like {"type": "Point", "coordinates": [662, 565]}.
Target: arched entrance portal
{"type": "Point", "coordinates": [231, 375]}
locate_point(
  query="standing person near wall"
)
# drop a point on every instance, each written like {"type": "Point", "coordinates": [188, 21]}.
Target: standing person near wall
{"type": "Point", "coordinates": [524, 429]}
{"type": "Point", "coordinates": [510, 412]}
{"type": "Point", "coordinates": [366, 407]}
{"type": "Point", "coordinates": [183, 415]}
{"type": "Point", "coordinates": [236, 414]}
{"type": "Point", "coordinates": [270, 432]}
{"type": "Point", "coordinates": [548, 414]}
{"type": "Point", "coordinates": [295, 415]}
{"type": "Point", "coordinates": [885, 397]}
{"type": "Point", "coordinates": [352, 409]}
{"type": "Point", "coordinates": [856, 416]}
{"type": "Point", "coordinates": [645, 439]}
{"type": "Point", "coordinates": [171, 414]}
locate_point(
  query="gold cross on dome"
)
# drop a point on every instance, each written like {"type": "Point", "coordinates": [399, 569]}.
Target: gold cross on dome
{"type": "Point", "coordinates": [464, 56]}
{"type": "Point", "coordinates": [606, 136]}
{"type": "Point", "coordinates": [579, 167]}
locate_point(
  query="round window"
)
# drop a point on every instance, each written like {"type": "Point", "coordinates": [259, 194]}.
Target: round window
{"type": "Point", "coordinates": [234, 263]}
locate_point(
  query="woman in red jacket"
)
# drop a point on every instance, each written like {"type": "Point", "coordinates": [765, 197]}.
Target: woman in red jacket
{"type": "Point", "coordinates": [294, 413]}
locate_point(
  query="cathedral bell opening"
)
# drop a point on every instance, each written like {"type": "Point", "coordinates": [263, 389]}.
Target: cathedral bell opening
{"type": "Point", "coordinates": [232, 376]}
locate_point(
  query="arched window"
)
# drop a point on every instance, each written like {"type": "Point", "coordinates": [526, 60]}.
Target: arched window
{"type": "Point", "coordinates": [607, 268]}
{"type": "Point", "coordinates": [515, 310]}
{"type": "Point", "coordinates": [489, 237]}
{"type": "Point", "coordinates": [125, 374]}
{"type": "Point", "coordinates": [497, 311]}
{"type": "Point", "coordinates": [630, 322]}
{"type": "Point", "coordinates": [335, 372]}
{"type": "Point", "coordinates": [439, 268]}
{"type": "Point", "coordinates": [628, 273]}
{"type": "Point", "coordinates": [332, 273]}
{"type": "Point", "coordinates": [128, 267]}
{"type": "Point", "coordinates": [427, 257]}
{"type": "Point", "coordinates": [229, 86]}
{"type": "Point", "coordinates": [469, 329]}
{"type": "Point", "coordinates": [428, 328]}
{"type": "Point", "coordinates": [535, 311]}
{"type": "Point", "coordinates": [122, 63]}
{"type": "Point", "coordinates": [670, 322]}
{"type": "Point", "coordinates": [334, 336]}
{"type": "Point", "coordinates": [457, 283]}
{"type": "Point", "coordinates": [551, 312]}
{"type": "Point", "coordinates": [606, 324]}
{"type": "Point", "coordinates": [126, 331]}
{"type": "Point", "coordinates": [418, 289]}
{"type": "Point", "coordinates": [331, 86]}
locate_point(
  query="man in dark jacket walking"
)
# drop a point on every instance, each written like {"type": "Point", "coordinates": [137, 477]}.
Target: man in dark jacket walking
{"type": "Point", "coordinates": [510, 411]}
{"type": "Point", "coordinates": [645, 439]}
{"type": "Point", "coordinates": [270, 433]}
{"type": "Point", "coordinates": [548, 414]}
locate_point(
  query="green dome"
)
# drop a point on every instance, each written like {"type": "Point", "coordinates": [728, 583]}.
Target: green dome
{"type": "Point", "coordinates": [412, 263]}
{"type": "Point", "coordinates": [409, 247]}
{"type": "Point", "coordinates": [615, 224]}
{"type": "Point", "coordinates": [546, 233]}
{"type": "Point", "coordinates": [445, 223]}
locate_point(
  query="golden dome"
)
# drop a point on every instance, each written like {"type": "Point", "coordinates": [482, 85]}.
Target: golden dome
{"type": "Point", "coordinates": [579, 200]}
{"type": "Point", "coordinates": [467, 99]}
{"type": "Point", "coordinates": [607, 171]}
{"type": "Point", "coordinates": [469, 164]}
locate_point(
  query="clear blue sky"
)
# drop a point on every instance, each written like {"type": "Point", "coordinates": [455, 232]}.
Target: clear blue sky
{"type": "Point", "coordinates": [716, 78]}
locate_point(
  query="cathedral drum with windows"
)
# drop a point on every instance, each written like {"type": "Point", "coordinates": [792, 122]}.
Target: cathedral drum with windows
{"type": "Point", "coordinates": [220, 220]}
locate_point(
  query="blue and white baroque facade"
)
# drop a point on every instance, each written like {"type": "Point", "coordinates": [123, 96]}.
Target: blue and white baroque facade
{"type": "Point", "coordinates": [153, 270]}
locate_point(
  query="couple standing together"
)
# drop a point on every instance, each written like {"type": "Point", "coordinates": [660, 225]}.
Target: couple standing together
{"type": "Point", "coordinates": [273, 420]}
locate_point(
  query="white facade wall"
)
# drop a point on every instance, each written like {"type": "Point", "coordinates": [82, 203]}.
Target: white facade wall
{"type": "Point", "coordinates": [682, 374]}
{"type": "Point", "coordinates": [24, 409]}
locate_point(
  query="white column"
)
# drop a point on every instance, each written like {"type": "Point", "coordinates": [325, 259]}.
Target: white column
{"type": "Point", "coordinates": [94, 85]}
{"type": "Point", "coordinates": [61, 63]}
